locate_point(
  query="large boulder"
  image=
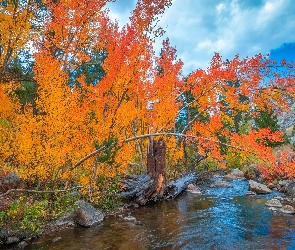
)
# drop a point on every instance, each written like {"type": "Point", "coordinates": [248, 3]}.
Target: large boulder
{"type": "Point", "coordinates": [291, 189]}
{"type": "Point", "coordinates": [11, 181]}
{"type": "Point", "coordinates": [258, 187]}
{"type": "Point", "coordinates": [234, 174]}
{"type": "Point", "coordinates": [86, 215]}
{"type": "Point", "coordinates": [237, 172]}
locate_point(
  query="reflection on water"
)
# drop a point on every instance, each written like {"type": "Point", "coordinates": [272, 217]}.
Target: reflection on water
{"type": "Point", "coordinates": [224, 218]}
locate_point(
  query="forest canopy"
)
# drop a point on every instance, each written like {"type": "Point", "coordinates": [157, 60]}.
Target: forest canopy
{"type": "Point", "coordinates": [72, 82]}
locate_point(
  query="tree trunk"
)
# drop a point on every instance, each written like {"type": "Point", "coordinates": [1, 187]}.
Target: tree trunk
{"type": "Point", "coordinates": [156, 167]}
{"type": "Point", "coordinates": [150, 186]}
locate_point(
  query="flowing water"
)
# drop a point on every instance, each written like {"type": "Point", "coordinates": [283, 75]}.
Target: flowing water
{"type": "Point", "coordinates": [222, 218]}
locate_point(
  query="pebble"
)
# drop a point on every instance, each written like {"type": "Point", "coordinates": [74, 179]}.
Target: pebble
{"type": "Point", "coordinates": [288, 209]}
{"type": "Point", "coordinates": [250, 193]}
{"type": "Point", "coordinates": [273, 203]}
{"type": "Point", "coordinates": [56, 239]}
{"type": "Point", "coordinates": [130, 218]}
{"type": "Point", "coordinates": [279, 198]}
{"type": "Point", "coordinates": [22, 245]}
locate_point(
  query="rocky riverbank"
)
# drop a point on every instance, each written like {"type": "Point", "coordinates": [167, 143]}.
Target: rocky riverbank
{"type": "Point", "coordinates": [85, 215]}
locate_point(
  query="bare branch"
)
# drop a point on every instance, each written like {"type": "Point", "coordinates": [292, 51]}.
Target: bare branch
{"type": "Point", "coordinates": [39, 191]}
{"type": "Point", "coordinates": [88, 156]}
{"type": "Point", "coordinates": [156, 134]}
{"type": "Point", "coordinates": [184, 135]}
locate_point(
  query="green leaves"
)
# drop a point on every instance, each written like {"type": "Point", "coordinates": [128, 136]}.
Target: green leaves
{"type": "Point", "coordinates": [109, 154]}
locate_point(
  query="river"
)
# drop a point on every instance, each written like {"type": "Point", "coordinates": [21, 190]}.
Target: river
{"type": "Point", "coordinates": [221, 218]}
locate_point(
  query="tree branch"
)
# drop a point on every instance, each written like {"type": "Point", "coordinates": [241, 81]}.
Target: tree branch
{"type": "Point", "coordinates": [156, 134]}
{"type": "Point", "coordinates": [39, 191]}
{"type": "Point", "coordinates": [88, 156]}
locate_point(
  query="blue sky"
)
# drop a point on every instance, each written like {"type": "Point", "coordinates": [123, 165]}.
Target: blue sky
{"type": "Point", "coordinates": [198, 28]}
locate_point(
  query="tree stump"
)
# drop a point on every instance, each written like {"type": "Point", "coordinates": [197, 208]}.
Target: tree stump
{"type": "Point", "coordinates": [156, 168]}
{"type": "Point", "coordinates": [151, 186]}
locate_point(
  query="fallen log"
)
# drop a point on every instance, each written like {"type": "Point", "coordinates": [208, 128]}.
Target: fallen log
{"type": "Point", "coordinates": [176, 187]}
{"type": "Point", "coordinates": [152, 185]}
{"type": "Point", "coordinates": [140, 188]}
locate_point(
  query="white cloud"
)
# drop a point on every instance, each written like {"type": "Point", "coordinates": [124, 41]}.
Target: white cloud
{"type": "Point", "coordinates": [220, 7]}
{"type": "Point", "coordinates": [198, 28]}
{"type": "Point", "coordinates": [228, 27]}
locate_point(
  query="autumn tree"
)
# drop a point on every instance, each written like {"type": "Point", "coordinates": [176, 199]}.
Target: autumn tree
{"type": "Point", "coordinates": [102, 96]}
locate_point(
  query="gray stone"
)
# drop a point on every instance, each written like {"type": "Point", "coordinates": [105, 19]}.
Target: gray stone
{"type": "Point", "coordinates": [234, 175]}
{"type": "Point", "coordinates": [130, 218]}
{"type": "Point", "coordinates": [271, 185]}
{"type": "Point", "coordinates": [22, 245]}
{"type": "Point", "coordinates": [273, 203]}
{"type": "Point", "coordinates": [66, 220]}
{"type": "Point", "coordinates": [288, 209]}
{"type": "Point", "coordinates": [258, 187]}
{"type": "Point", "coordinates": [56, 239]}
{"type": "Point", "coordinates": [250, 193]}
{"type": "Point", "coordinates": [86, 215]}
{"type": "Point", "coordinates": [12, 239]}
{"type": "Point", "coordinates": [280, 198]}
{"type": "Point", "coordinates": [230, 177]}
{"type": "Point", "coordinates": [237, 172]}
{"type": "Point", "coordinates": [219, 184]}
{"type": "Point", "coordinates": [193, 189]}
{"type": "Point", "coordinates": [286, 119]}
{"type": "Point", "coordinates": [284, 182]}
{"type": "Point", "coordinates": [291, 189]}
{"type": "Point", "coordinates": [11, 181]}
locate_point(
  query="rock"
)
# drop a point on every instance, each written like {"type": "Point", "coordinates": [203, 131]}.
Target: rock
{"type": "Point", "coordinates": [56, 239]}
{"type": "Point", "coordinates": [129, 218]}
{"type": "Point", "coordinates": [234, 175]}
{"type": "Point", "coordinates": [283, 189]}
{"type": "Point", "coordinates": [273, 208]}
{"type": "Point", "coordinates": [230, 177]}
{"type": "Point", "coordinates": [86, 215]}
{"type": "Point", "coordinates": [288, 209]}
{"type": "Point", "coordinates": [279, 198]}
{"type": "Point", "coordinates": [271, 185]}
{"type": "Point", "coordinates": [284, 182]}
{"type": "Point", "coordinates": [258, 187]}
{"type": "Point", "coordinates": [65, 221]}
{"type": "Point", "coordinates": [237, 172]}
{"type": "Point", "coordinates": [22, 245]}
{"type": "Point", "coordinates": [218, 184]}
{"type": "Point", "coordinates": [191, 188]}
{"type": "Point", "coordinates": [291, 189]}
{"type": "Point", "coordinates": [250, 193]}
{"type": "Point", "coordinates": [11, 181]}
{"type": "Point", "coordinates": [12, 239]}
{"type": "Point", "coordinates": [273, 203]}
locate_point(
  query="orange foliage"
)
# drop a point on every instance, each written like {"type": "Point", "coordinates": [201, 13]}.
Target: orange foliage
{"type": "Point", "coordinates": [138, 94]}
